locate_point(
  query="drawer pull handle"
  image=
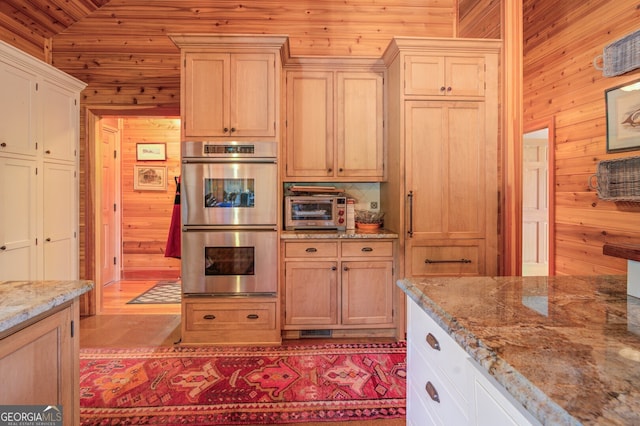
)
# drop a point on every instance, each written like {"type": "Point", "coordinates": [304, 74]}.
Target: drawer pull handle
{"type": "Point", "coordinates": [3, 144]}
{"type": "Point", "coordinates": [311, 250]}
{"type": "Point", "coordinates": [367, 249]}
{"type": "Point", "coordinates": [463, 260]}
{"type": "Point", "coordinates": [433, 393]}
{"type": "Point", "coordinates": [209, 317]}
{"type": "Point", "coordinates": [252, 316]}
{"type": "Point", "coordinates": [433, 342]}
{"type": "Point", "coordinates": [3, 247]}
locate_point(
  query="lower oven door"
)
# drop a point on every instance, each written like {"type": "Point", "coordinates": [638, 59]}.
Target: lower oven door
{"type": "Point", "coordinates": [229, 262]}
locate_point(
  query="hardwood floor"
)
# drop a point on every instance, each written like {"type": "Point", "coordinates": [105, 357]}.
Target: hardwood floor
{"type": "Point", "coordinates": [120, 325]}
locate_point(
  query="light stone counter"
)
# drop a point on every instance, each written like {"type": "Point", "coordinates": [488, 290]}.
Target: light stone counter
{"type": "Point", "coordinates": [333, 234]}
{"type": "Point", "coordinates": [566, 347]}
{"type": "Point", "coordinates": [21, 301]}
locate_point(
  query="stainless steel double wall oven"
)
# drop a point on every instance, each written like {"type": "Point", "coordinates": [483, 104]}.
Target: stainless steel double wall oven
{"type": "Point", "coordinates": [229, 218]}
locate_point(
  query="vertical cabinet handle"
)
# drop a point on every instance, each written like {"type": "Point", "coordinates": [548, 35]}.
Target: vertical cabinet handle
{"type": "Point", "coordinates": [410, 199]}
{"type": "Point", "coordinates": [433, 393]}
{"type": "Point", "coordinates": [433, 342]}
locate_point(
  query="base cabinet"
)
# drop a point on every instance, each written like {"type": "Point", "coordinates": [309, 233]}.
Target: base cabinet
{"type": "Point", "coordinates": [338, 285]}
{"type": "Point", "coordinates": [446, 386]}
{"type": "Point", "coordinates": [39, 363]}
{"type": "Point", "coordinates": [230, 320]}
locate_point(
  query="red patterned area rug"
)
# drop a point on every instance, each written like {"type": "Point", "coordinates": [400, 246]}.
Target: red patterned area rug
{"type": "Point", "coordinates": [242, 386]}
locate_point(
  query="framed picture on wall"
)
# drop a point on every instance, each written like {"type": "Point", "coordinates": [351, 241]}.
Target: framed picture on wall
{"type": "Point", "coordinates": [151, 151]}
{"type": "Point", "coordinates": [623, 117]}
{"type": "Point", "coordinates": [149, 178]}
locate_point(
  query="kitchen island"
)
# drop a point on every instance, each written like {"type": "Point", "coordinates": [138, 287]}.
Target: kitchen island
{"type": "Point", "coordinates": [39, 344]}
{"type": "Point", "coordinates": [566, 348]}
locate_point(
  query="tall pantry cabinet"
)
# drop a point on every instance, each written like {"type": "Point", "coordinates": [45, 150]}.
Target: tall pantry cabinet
{"type": "Point", "coordinates": [443, 161]}
{"type": "Point", "coordinates": [39, 111]}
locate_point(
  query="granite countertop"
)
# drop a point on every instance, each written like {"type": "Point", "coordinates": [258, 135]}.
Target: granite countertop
{"type": "Point", "coordinates": [22, 300]}
{"type": "Point", "coordinates": [342, 235]}
{"type": "Point", "coordinates": [566, 347]}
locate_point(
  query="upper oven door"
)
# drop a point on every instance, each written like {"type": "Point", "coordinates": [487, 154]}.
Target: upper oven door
{"type": "Point", "coordinates": [229, 193]}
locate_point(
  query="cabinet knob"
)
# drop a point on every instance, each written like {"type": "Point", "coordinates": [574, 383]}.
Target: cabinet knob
{"type": "Point", "coordinates": [333, 268]}
{"type": "Point", "coordinates": [449, 89]}
{"type": "Point", "coordinates": [344, 268]}
{"type": "Point", "coordinates": [330, 170]}
{"type": "Point", "coordinates": [3, 144]}
{"type": "Point", "coordinates": [233, 129]}
{"type": "Point", "coordinates": [3, 247]}
{"type": "Point", "coordinates": [252, 316]}
{"type": "Point", "coordinates": [209, 317]}
{"type": "Point", "coordinates": [48, 151]}
{"type": "Point", "coordinates": [48, 239]}
{"type": "Point", "coordinates": [433, 342]}
{"type": "Point", "coordinates": [442, 88]}
{"type": "Point", "coordinates": [433, 393]}
{"type": "Point", "coordinates": [226, 129]}
{"type": "Point", "coordinates": [340, 169]}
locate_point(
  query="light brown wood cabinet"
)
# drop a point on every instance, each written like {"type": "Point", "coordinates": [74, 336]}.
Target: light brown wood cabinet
{"type": "Point", "coordinates": [230, 86]}
{"type": "Point", "coordinates": [334, 123]}
{"type": "Point", "coordinates": [39, 363]}
{"type": "Point", "coordinates": [443, 139]}
{"type": "Point", "coordinates": [230, 321]}
{"type": "Point", "coordinates": [437, 75]}
{"type": "Point", "coordinates": [343, 286]}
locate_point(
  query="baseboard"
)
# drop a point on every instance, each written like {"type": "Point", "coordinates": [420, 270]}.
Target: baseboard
{"type": "Point", "coordinates": [144, 274]}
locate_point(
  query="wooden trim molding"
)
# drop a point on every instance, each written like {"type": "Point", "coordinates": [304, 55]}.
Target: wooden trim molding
{"type": "Point", "coordinates": [512, 129]}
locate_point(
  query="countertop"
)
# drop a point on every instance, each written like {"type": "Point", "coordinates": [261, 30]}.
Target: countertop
{"type": "Point", "coordinates": [566, 347]}
{"type": "Point", "coordinates": [331, 234]}
{"type": "Point", "coordinates": [22, 300]}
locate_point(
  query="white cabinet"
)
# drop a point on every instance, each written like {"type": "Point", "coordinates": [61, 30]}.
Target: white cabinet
{"type": "Point", "coordinates": [39, 113]}
{"type": "Point", "coordinates": [446, 386]}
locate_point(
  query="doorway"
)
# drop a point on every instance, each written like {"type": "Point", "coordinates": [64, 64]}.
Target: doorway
{"type": "Point", "coordinates": [537, 200]}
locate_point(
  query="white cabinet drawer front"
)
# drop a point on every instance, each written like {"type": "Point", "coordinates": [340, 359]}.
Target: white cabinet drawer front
{"type": "Point", "coordinates": [439, 349]}
{"type": "Point", "coordinates": [441, 399]}
{"type": "Point", "coordinates": [367, 249]}
{"type": "Point", "coordinates": [311, 249]}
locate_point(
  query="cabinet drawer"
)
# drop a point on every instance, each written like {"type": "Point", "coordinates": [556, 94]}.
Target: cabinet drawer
{"type": "Point", "coordinates": [449, 408]}
{"type": "Point", "coordinates": [458, 258]}
{"type": "Point", "coordinates": [311, 249]}
{"type": "Point", "coordinates": [229, 316]}
{"type": "Point", "coordinates": [439, 350]}
{"type": "Point", "coordinates": [367, 248]}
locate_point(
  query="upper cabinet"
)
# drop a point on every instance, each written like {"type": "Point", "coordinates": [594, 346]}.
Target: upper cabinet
{"type": "Point", "coordinates": [454, 76]}
{"type": "Point", "coordinates": [230, 86]}
{"type": "Point", "coordinates": [334, 120]}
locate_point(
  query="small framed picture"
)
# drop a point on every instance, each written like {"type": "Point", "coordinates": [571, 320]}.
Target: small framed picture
{"type": "Point", "coordinates": [149, 178]}
{"type": "Point", "coordinates": [623, 117]}
{"type": "Point", "coordinates": [151, 151]}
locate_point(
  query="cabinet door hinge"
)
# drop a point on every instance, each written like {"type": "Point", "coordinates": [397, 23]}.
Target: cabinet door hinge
{"type": "Point", "coordinates": [72, 329]}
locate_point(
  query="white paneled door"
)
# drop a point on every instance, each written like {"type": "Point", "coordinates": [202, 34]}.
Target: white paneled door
{"type": "Point", "coordinates": [535, 205]}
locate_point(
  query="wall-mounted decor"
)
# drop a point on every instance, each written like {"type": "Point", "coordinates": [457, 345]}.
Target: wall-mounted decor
{"type": "Point", "coordinates": [151, 151]}
{"type": "Point", "coordinates": [623, 117]}
{"type": "Point", "coordinates": [149, 178]}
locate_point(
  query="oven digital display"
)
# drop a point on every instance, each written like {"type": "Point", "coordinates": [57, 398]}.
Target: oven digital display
{"type": "Point", "coordinates": [229, 149]}
{"type": "Point", "coordinates": [229, 260]}
{"type": "Point", "coordinates": [229, 192]}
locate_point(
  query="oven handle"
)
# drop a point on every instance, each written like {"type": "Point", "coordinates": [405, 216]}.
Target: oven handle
{"type": "Point", "coordinates": [210, 228]}
{"type": "Point", "coordinates": [229, 160]}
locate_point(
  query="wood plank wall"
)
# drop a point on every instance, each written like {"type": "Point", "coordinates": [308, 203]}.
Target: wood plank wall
{"type": "Point", "coordinates": [131, 67]}
{"type": "Point", "coordinates": [561, 40]}
{"type": "Point", "coordinates": [146, 215]}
